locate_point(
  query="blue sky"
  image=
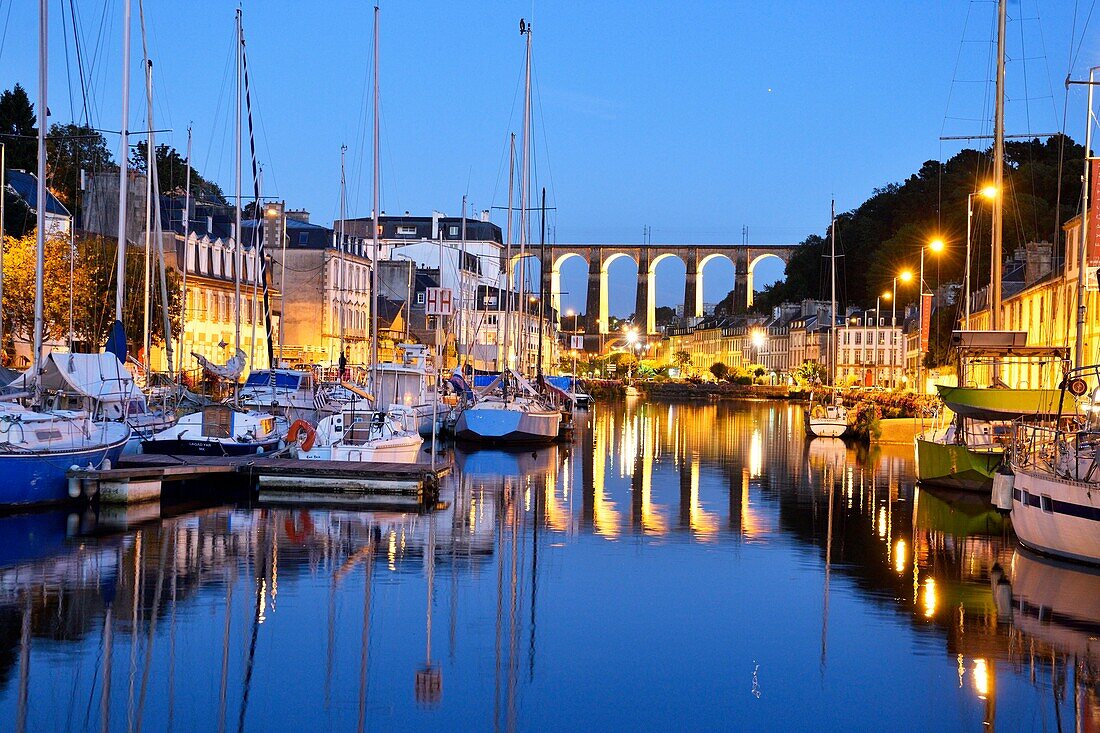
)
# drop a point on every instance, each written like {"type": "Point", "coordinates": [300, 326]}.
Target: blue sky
{"type": "Point", "coordinates": [694, 118]}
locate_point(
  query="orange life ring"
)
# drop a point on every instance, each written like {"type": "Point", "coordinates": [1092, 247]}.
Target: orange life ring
{"type": "Point", "coordinates": [296, 429]}
{"type": "Point", "coordinates": [292, 531]}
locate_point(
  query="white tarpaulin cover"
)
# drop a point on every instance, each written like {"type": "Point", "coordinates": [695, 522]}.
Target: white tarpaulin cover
{"type": "Point", "coordinates": [99, 376]}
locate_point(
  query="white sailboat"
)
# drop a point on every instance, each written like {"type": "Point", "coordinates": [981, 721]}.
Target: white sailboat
{"type": "Point", "coordinates": [510, 409]}
{"type": "Point", "coordinates": [38, 448]}
{"type": "Point", "coordinates": [828, 417]}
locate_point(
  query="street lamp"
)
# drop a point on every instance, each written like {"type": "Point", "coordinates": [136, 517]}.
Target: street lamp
{"type": "Point", "coordinates": [937, 246]}
{"type": "Point", "coordinates": [988, 193]}
{"type": "Point", "coordinates": [886, 295]}
{"type": "Point", "coordinates": [905, 276]}
{"type": "Point", "coordinates": [632, 341]}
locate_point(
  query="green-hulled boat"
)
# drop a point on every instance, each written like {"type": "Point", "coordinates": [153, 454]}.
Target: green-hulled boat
{"type": "Point", "coordinates": [965, 452]}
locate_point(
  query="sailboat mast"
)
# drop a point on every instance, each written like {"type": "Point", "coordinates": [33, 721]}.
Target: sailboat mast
{"type": "Point", "coordinates": [542, 280]}
{"type": "Point", "coordinates": [123, 158]}
{"type": "Point", "coordinates": [40, 236]}
{"type": "Point", "coordinates": [1086, 214]}
{"type": "Point", "coordinates": [508, 274]}
{"type": "Point", "coordinates": [832, 297]}
{"type": "Point", "coordinates": [341, 292]}
{"type": "Point", "coordinates": [464, 330]}
{"type": "Point", "coordinates": [183, 265]}
{"type": "Point", "coordinates": [998, 173]}
{"type": "Point", "coordinates": [525, 184]}
{"type": "Point", "coordinates": [237, 198]}
{"type": "Point", "coordinates": [375, 225]}
{"type": "Point", "coordinates": [150, 164]}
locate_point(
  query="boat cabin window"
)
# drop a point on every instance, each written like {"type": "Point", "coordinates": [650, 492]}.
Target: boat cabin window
{"type": "Point", "coordinates": [47, 435]}
{"type": "Point", "coordinates": [217, 421]}
{"type": "Point", "coordinates": [267, 425]}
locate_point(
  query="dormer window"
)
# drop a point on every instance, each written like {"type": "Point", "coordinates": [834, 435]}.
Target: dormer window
{"type": "Point", "coordinates": [406, 231]}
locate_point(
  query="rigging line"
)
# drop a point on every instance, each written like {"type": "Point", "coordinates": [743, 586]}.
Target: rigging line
{"type": "Point", "coordinates": [1030, 148]}
{"type": "Point", "coordinates": [102, 32]}
{"type": "Point", "coordinates": [545, 137]}
{"type": "Point", "coordinates": [359, 141]}
{"type": "Point", "coordinates": [955, 71]}
{"type": "Point", "coordinates": [68, 64]}
{"type": "Point", "coordinates": [4, 35]}
{"type": "Point", "coordinates": [1084, 30]}
{"type": "Point", "coordinates": [79, 62]}
{"type": "Point", "coordinates": [229, 61]}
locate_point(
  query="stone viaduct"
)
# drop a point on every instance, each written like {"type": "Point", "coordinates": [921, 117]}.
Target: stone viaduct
{"type": "Point", "coordinates": [744, 257]}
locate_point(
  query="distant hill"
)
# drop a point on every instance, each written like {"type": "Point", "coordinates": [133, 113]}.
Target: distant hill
{"type": "Point", "coordinates": [885, 233]}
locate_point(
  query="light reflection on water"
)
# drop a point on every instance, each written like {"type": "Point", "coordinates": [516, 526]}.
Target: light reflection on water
{"type": "Point", "coordinates": [678, 566]}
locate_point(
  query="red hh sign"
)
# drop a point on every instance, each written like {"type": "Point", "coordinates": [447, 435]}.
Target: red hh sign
{"type": "Point", "coordinates": [925, 320]}
{"type": "Point", "coordinates": [1092, 251]}
{"type": "Point", "coordinates": [439, 302]}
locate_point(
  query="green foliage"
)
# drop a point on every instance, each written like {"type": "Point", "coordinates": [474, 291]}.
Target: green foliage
{"type": "Point", "coordinates": [809, 372]}
{"type": "Point", "coordinates": [71, 148]}
{"type": "Point", "coordinates": [719, 370]}
{"type": "Point", "coordinates": [172, 173]}
{"type": "Point", "coordinates": [886, 232]}
{"type": "Point", "coordinates": [17, 129]}
{"type": "Point", "coordinates": [863, 420]}
{"type": "Point", "coordinates": [665, 315]}
{"type": "Point", "coordinates": [681, 359]}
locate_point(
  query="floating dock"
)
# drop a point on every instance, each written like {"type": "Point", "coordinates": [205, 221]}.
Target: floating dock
{"type": "Point", "coordinates": [140, 478]}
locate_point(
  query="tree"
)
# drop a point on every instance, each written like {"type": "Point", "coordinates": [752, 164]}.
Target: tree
{"type": "Point", "coordinates": [809, 372]}
{"type": "Point", "coordinates": [682, 359]}
{"type": "Point", "coordinates": [665, 315]}
{"type": "Point", "coordinates": [172, 173]}
{"type": "Point", "coordinates": [19, 286]}
{"type": "Point", "coordinates": [18, 130]}
{"type": "Point", "coordinates": [719, 370]}
{"type": "Point", "coordinates": [70, 149]}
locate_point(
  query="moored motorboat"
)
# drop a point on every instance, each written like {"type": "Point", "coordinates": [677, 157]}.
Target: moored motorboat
{"type": "Point", "coordinates": [374, 436]}
{"type": "Point", "coordinates": [219, 430]}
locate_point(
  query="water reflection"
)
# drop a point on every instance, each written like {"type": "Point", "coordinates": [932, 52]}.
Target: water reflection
{"type": "Point", "coordinates": [676, 565]}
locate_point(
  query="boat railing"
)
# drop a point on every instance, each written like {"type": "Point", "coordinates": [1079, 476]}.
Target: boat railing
{"type": "Point", "coordinates": [1057, 451]}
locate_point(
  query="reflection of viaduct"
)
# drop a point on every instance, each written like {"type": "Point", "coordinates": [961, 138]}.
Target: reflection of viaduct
{"type": "Point", "coordinates": [695, 257]}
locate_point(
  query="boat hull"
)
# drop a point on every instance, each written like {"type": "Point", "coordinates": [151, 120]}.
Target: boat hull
{"type": "Point", "coordinates": [504, 426]}
{"type": "Point", "coordinates": [956, 466]}
{"type": "Point", "coordinates": [42, 478]}
{"type": "Point", "coordinates": [405, 450]}
{"type": "Point", "coordinates": [197, 447]}
{"type": "Point", "coordinates": [826, 427]}
{"type": "Point", "coordinates": [1056, 516]}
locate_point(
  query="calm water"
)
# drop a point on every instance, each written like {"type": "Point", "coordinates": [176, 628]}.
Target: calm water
{"type": "Point", "coordinates": [678, 567]}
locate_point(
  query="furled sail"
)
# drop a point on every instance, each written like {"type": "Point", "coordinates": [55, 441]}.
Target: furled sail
{"type": "Point", "coordinates": [231, 370]}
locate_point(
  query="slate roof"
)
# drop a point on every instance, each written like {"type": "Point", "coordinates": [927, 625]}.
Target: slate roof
{"type": "Point", "coordinates": [26, 186]}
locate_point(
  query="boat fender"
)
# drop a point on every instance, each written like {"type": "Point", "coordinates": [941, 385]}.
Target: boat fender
{"type": "Point", "coordinates": [818, 412]}
{"type": "Point", "coordinates": [74, 483]}
{"type": "Point", "coordinates": [298, 535]}
{"type": "Point", "coordinates": [1003, 483]}
{"type": "Point", "coordinates": [1002, 593]}
{"type": "Point", "coordinates": [296, 429]}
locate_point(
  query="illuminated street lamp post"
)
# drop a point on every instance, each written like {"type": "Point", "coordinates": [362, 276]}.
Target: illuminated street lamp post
{"type": "Point", "coordinates": [936, 245]}
{"type": "Point", "coordinates": [988, 193]}
{"type": "Point", "coordinates": [632, 341]}
{"type": "Point", "coordinates": [905, 276]}
{"type": "Point", "coordinates": [878, 331]}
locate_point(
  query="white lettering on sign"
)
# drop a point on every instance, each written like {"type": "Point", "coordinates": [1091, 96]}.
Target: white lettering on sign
{"type": "Point", "coordinates": [439, 302]}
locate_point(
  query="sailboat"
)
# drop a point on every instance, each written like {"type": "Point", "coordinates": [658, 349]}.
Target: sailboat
{"type": "Point", "coordinates": [382, 433]}
{"type": "Point", "coordinates": [226, 429]}
{"type": "Point", "coordinates": [510, 409]}
{"type": "Point", "coordinates": [966, 452]}
{"type": "Point", "coordinates": [38, 448]}
{"type": "Point", "coordinates": [827, 417]}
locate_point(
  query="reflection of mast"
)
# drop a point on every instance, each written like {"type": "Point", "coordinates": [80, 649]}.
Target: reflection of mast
{"type": "Point", "coordinates": [172, 635]}
{"type": "Point", "coordinates": [24, 662]}
{"type": "Point", "coordinates": [152, 631]}
{"type": "Point", "coordinates": [134, 602]}
{"type": "Point", "coordinates": [534, 572]}
{"type": "Point", "coordinates": [513, 631]}
{"type": "Point", "coordinates": [368, 576]}
{"type": "Point", "coordinates": [108, 645]}
{"type": "Point", "coordinates": [829, 480]}
{"type": "Point", "coordinates": [257, 617]}
{"type": "Point", "coordinates": [500, 604]}
{"type": "Point", "coordinates": [225, 647]}
{"type": "Point", "coordinates": [429, 682]}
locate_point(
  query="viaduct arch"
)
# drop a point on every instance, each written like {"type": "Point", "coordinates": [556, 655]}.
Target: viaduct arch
{"type": "Point", "coordinates": [744, 257]}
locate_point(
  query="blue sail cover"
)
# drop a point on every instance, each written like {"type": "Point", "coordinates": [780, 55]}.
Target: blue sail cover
{"type": "Point", "coordinates": [116, 341]}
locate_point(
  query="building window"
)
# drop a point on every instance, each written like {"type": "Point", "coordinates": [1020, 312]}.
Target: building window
{"type": "Point", "coordinates": [303, 239]}
{"type": "Point", "coordinates": [420, 298]}
{"type": "Point", "coordinates": [406, 231]}
{"type": "Point", "coordinates": [453, 231]}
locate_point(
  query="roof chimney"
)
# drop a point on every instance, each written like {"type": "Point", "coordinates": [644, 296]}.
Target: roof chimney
{"type": "Point", "coordinates": [485, 215]}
